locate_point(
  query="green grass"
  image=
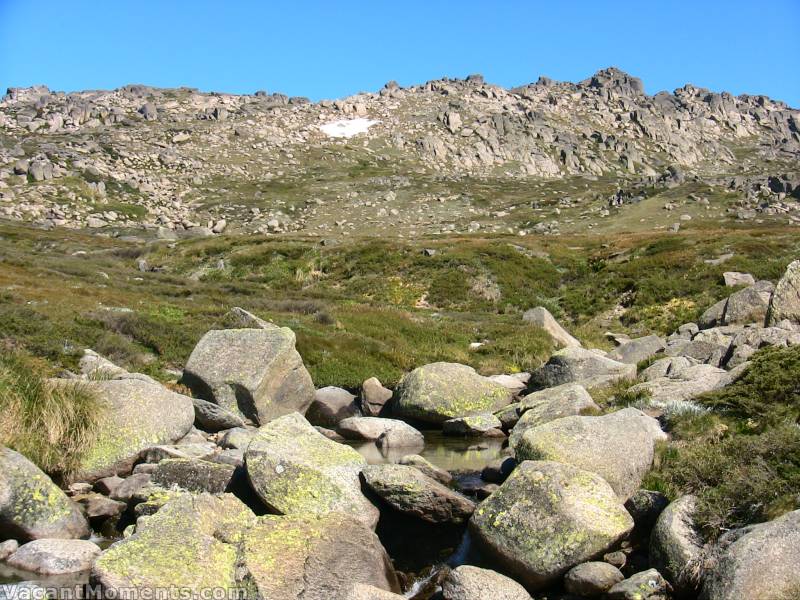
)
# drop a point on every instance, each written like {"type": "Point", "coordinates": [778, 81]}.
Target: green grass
{"type": "Point", "coordinates": [51, 425]}
{"type": "Point", "coordinates": [742, 457]}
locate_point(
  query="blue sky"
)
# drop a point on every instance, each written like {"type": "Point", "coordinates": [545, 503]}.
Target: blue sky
{"type": "Point", "coordinates": [327, 49]}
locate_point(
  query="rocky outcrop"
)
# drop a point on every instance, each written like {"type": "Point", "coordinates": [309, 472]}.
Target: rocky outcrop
{"type": "Point", "coordinates": [618, 446]}
{"type": "Point", "coordinates": [585, 367]}
{"type": "Point", "coordinates": [541, 317]}
{"type": "Point", "coordinates": [255, 373]}
{"type": "Point", "coordinates": [32, 506]}
{"type": "Point", "coordinates": [295, 470]}
{"type": "Point", "coordinates": [440, 391]}
{"type": "Point", "coordinates": [759, 561]}
{"type": "Point", "coordinates": [408, 490]}
{"type": "Point", "coordinates": [546, 518]}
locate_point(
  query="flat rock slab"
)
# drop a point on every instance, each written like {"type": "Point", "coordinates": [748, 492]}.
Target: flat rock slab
{"type": "Point", "coordinates": [410, 491]}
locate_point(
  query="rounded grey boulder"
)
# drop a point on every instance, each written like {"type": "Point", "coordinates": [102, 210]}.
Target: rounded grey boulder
{"type": "Point", "coordinates": [675, 547]}
{"type": "Point", "coordinates": [472, 583]}
{"type": "Point", "coordinates": [55, 557]}
{"type": "Point", "coordinates": [592, 579]}
{"type": "Point", "coordinates": [331, 405]}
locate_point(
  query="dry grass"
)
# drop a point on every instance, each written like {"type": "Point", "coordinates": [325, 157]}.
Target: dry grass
{"type": "Point", "coordinates": [51, 424]}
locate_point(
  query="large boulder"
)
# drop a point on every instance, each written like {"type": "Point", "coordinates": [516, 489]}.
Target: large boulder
{"type": "Point", "coordinates": [374, 397]}
{"type": "Point", "coordinates": [548, 405]}
{"type": "Point", "coordinates": [541, 317]}
{"type": "Point", "coordinates": [759, 561]}
{"type": "Point", "coordinates": [578, 365]}
{"type": "Point", "coordinates": [638, 349]}
{"type": "Point", "coordinates": [54, 556]}
{"type": "Point", "coordinates": [785, 302]}
{"type": "Point", "coordinates": [675, 547]}
{"type": "Point", "coordinates": [32, 506]}
{"type": "Point", "coordinates": [331, 405]}
{"type": "Point", "coordinates": [680, 385]}
{"type": "Point", "coordinates": [193, 475]}
{"type": "Point", "coordinates": [618, 446]}
{"type": "Point", "coordinates": [749, 305]}
{"type": "Point", "coordinates": [303, 558]}
{"type": "Point", "coordinates": [294, 469]}
{"type": "Point", "coordinates": [411, 492]}
{"type": "Point", "coordinates": [546, 518]}
{"type": "Point", "coordinates": [372, 428]}
{"type": "Point", "coordinates": [427, 468]}
{"type": "Point", "coordinates": [192, 543]}
{"type": "Point", "coordinates": [138, 415]}
{"type": "Point", "coordinates": [472, 583]}
{"type": "Point", "coordinates": [440, 391]}
{"type": "Point", "coordinates": [256, 373]}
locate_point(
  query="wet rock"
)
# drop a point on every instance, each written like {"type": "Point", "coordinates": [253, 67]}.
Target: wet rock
{"type": "Point", "coordinates": [637, 350]}
{"type": "Point", "coordinates": [676, 548]}
{"type": "Point", "coordinates": [647, 585]}
{"type": "Point", "coordinates": [139, 415]}
{"type": "Point", "coordinates": [330, 406]}
{"type": "Point", "coordinates": [32, 506]}
{"type": "Point", "coordinates": [618, 446]}
{"type": "Point", "coordinates": [437, 392]}
{"type": "Point", "coordinates": [759, 561]}
{"type": "Point", "coordinates": [410, 491]}
{"type": "Point", "coordinates": [546, 518]}
{"type": "Point", "coordinates": [194, 475]}
{"type": "Point", "coordinates": [541, 317]}
{"type": "Point", "coordinates": [426, 468]}
{"type": "Point", "coordinates": [498, 470]}
{"type": "Point", "coordinates": [213, 417]}
{"type": "Point", "coordinates": [55, 556]}
{"type": "Point", "coordinates": [256, 373]}
{"type": "Point", "coordinates": [472, 583]}
{"type": "Point", "coordinates": [294, 469]}
{"type": "Point", "coordinates": [785, 301]}
{"type": "Point", "coordinates": [592, 579]}
{"type": "Point", "coordinates": [485, 424]}
{"type": "Point", "coordinates": [577, 365]}
{"type": "Point", "coordinates": [547, 405]}
{"type": "Point", "coordinates": [374, 397]}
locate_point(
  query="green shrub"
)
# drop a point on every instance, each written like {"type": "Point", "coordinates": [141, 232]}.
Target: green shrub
{"type": "Point", "coordinates": [51, 424]}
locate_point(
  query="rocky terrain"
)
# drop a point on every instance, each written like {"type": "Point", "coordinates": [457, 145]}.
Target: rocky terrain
{"type": "Point", "coordinates": [242, 476]}
{"type": "Point", "coordinates": [447, 156]}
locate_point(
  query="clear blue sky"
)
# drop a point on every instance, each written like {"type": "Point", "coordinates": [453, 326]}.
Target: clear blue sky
{"type": "Point", "coordinates": [326, 49]}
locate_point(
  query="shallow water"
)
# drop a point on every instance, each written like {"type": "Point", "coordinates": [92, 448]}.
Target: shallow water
{"type": "Point", "coordinates": [446, 452]}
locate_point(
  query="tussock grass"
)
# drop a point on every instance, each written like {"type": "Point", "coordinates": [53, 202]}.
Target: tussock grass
{"type": "Point", "coordinates": [51, 425]}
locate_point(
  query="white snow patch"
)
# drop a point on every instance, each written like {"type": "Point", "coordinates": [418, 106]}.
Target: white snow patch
{"type": "Point", "coordinates": [347, 128]}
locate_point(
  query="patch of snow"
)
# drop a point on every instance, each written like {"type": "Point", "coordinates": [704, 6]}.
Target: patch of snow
{"type": "Point", "coordinates": [346, 128]}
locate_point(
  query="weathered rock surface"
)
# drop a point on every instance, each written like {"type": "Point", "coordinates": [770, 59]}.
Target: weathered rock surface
{"type": "Point", "coordinates": [440, 391]}
{"type": "Point", "coordinates": [546, 518]}
{"type": "Point", "coordinates": [617, 446]}
{"type": "Point", "coordinates": [374, 397]}
{"type": "Point", "coordinates": [785, 301]}
{"type": "Point", "coordinates": [331, 405]}
{"type": "Point", "coordinates": [637, 350]}
{"type": "Point", "coordinates": [681, 384]}
{"type": "Point", "coordinates": [32, 506]}
{"type": "Point", "coordinates": [138, 415]}
{"type": "Point", "coordinates": [194, 475]}
{"type": "Point", "coordinates": [294, 469]}
{"type": "Point", "coordinates": [541, 317]}
{"type": "Point", "coordinates": [55, 556]}
{"type": "Point", "coordinates": [256, 373]}
{"type": "Point", "coordinates": [578, 365]}
{"type": "Point", "coordinates": [472, 583]}
{"type": "Point", "coordinates": [426, 468]}
{"type": "Point", "coordinates": [592, 579]}
{"type": "Point", "coordinates": [372, 428]}
{"type": "Point", "coordinates": [213, 417]}
{"type": "Point", "coordinates": [759, 561]}
{"type": "Point", "coordinates": [477, 425]}
{"type": "Point", "coordinates": [8, 548]}
{"type": "Point", "coordinates": [550, 404]}
{"type": "Point", "coordinates": [410, 491]}
{"type": "Point", "coordinates": [646, 585]}
{"type": "Point", "coordinates": [675, 546]}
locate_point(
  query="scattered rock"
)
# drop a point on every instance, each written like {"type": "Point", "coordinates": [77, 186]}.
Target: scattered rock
{"type": "Point", "coordinates": [194, 475]}
{"type": "Point", "coordinates": [636, 350]}
{"type": "Point", "coordinates": [577, 365]}
{"type": "Point", "coordinates": [213, 417]}
{"type": "Point", "coordinates": [592, 579]}
{"type": "Point", "coordinates": [734, 279]}
{"type": "Point", "coordinates": [547, 405]}
{"type": "Point", "coordinates": [372, 428]}
{"type": "Point", "coordinates": [331, 405]}
{"type": "Point", "coordinates": [647, 585]}
{"type": "Point", "coordinates": [472, 583]}
{"type": "Point", "coordinates": [785, 301]}
{"type": "Point", "coordinates": [374, 397]}
{"type": "Point", "coordinates": [485, 424]}
{"type": "Point", "coordinates": [675, 547]}
{"type": "Point", "coordinates": [55, 556]}
{"type": "Point", "coordinates": [541, 317]}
